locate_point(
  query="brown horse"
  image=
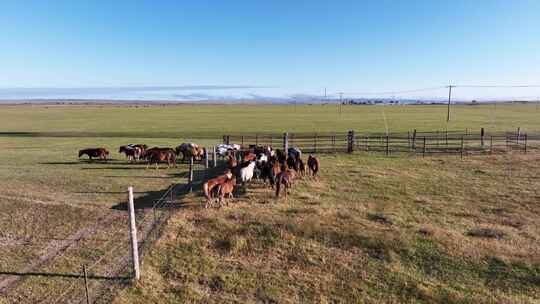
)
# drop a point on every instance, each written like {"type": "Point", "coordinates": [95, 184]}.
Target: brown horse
{"type": "Point", "coordinates": [95, 152]}
{"type": "Point", "coordinates": [314, 165]}
{"type": "Point", "coordinates": [226, 188]}
{"type": "Point", "coordinates": [232, 162]}
{"type": "Point", "coordinates": [285, 178]}
{"type": "Point", "coordinates": [210, 184]}
{"type": "Point", "coordinates": [156, 155]}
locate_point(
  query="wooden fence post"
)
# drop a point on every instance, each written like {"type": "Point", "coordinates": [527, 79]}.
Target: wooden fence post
{"type": "Point", "coordinates": [224, 139]}
{"type": "Point", "coordinates": [190, 176]}
{"type": "Point", "coordinates": [228, 139]}
{"type": "Point", "coordinates": [286, 143]}
{"type": "Point", "coordinates": [214, 156]}
{"type": "Point", "coordinates": [334, 143]}
{"type": "Point", "coordinates": [461, 151]}
{"type": "Point", "coordinates": [86, 284]}
{"type": "Point", "coordinates": [482, 137]}
{"type": "Point", "coordinates": [133, 235]}
{"type": "Point", "coordinates": [518, 132]}
{"type": "Point", "coordinates": [424, 148]}
{"type": "Point", "coordinates": [414, 139]}
{"type": "Point", "coordinates": [242, 140]}
{"type": "Point", "coordinates": [350, 142]}
{"type": "Point", "coordinates": [491, 144]}
{"type": "Point", "coordinates": [256, 139]}
{"type": "Point", "coordinates": [205, 158]}
{"type": "Point", "coordinates": [387, 147]}
{"type": "Point", "coordinates": [367, 142]}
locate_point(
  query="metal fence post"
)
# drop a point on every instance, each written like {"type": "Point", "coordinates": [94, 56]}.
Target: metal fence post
{"type": "Point", "coordinates": [133, 235]}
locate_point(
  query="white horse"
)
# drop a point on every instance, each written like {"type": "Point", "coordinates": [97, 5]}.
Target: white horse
{"type": "Point", "coordinates": [246, 173]}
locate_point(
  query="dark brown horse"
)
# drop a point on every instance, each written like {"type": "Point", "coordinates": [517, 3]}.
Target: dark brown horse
{"type": "Point", "coordinates": [157, 155]}
{"type": "Point", "coordinates": [314, 165]}
{"type": "Point", "coordinates": [102, 153]}
{"type": "Point", "coordinates": [132, 152]}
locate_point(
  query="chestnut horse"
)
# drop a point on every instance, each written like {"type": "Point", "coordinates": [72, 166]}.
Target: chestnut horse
{"type": "Point", "coordinates": [226, 188]}
{"type": "Point", "coordinates": [210, 184]}
{"type": "Point", "coordinates": [95, 152]}
{"type": "Point", "coordinates": [156, 155]}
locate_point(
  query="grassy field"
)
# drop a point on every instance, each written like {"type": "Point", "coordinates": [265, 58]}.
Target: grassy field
{"type": "Point", "coordinates": [371, 229]}
{"type": "Point", "coordinates": [214, 120]}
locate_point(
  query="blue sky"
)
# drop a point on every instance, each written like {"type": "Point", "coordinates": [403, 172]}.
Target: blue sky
{"type": "Point", "coordinates": [296, 47]}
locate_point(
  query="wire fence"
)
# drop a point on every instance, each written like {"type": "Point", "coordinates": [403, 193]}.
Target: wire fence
{"type": "Point", "coordinates": [92, 261]}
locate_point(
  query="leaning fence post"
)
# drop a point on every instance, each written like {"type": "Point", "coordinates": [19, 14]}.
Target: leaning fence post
{"type": "Point", "coordinates": [133, 235]}
{"type": "Point", "coordinates": [285, 143]}
{"type": "Point", "coordinates": [86, 284]}
{"type": "Point", "coordinates": [190, 177]}
{"type": "Point", "coordinates": [350, 141]}
{"type": "Point", "coordinates": [214, 156]}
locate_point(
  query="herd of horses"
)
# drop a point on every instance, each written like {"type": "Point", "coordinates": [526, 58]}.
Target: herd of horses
{"type": "Point", "coordinates": [275, 167]}
{"type": "Point", "coordinates": [152, 156]}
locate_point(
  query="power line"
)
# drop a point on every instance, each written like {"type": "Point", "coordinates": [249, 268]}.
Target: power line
{"type": "Point", "coordinates": [498, 86]}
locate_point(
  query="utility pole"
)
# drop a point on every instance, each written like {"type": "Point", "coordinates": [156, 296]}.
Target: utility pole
{"type": "Point", "coordinates": [449, 99]}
